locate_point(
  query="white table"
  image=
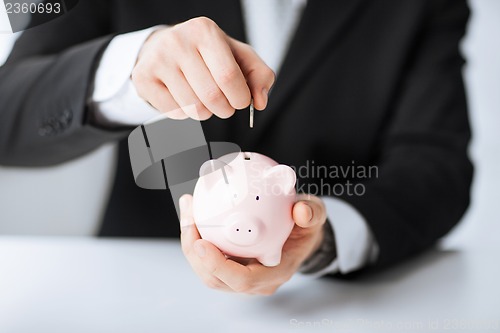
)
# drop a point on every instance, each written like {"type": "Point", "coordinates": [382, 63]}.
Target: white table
{"type": "Point", "coordinates": [73, 285]}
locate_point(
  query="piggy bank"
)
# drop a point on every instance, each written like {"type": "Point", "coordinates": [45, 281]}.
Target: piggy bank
{"type": "Point", "coordinates": [242, 203]}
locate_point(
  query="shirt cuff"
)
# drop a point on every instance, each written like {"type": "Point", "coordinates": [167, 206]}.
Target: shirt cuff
{"type": "Point", "coordinates": [115, 99]}
{"type": "Point", "coordinates": [355, 244]}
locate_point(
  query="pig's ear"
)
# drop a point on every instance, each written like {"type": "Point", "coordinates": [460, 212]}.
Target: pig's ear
{"type": "Point", "coordinates": [282, 175]}
{"type": "Point", "coordinates": [213, 170]}
{"type": "Point", "coordinates": [211, 166]}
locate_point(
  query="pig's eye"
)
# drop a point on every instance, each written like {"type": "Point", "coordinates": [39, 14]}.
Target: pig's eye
{"type": "Point", "coordinates": [257, 198]}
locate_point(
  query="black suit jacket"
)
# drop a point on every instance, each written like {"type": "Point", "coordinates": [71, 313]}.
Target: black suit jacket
{"type": "Point", "coordinates": [364, 82]}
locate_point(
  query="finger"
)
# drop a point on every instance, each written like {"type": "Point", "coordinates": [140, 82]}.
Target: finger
{"type": "Point", "coordinates": [213, 282]}
{"type": "Point", "coordinates": [189, 232]}
{"type": "Point", "coordinates": [195, 257]}
{"type": "Point", "coordinates": [240, 278]}
{"type": "Point", "coordinates": [156, 94]}
{"type": "Point", "coordinates": [225, 70]}
{"type": "Point", "coordinates": [266, 291]}
{"type": "Point", "coordinates": [186, 209]}
{"type": "Point", "coordinates": [309, 213]}
{"type": "Point", "coordinates": [233, 274]}
{"type": "Point", "coordinates": [302, 214]}
{"type": "Point", "coordinates": [189, 237]}
{"type": "Point", "coordinates": [184, 95]}
{"type": "Point", "coordinates": [196, 260]}
{"type": "Point", "coordinates": [260, 78]}
{"type": "Point", "coordinates": [205, 87]}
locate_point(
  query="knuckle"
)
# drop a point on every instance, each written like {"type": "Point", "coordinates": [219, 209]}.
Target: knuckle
{"type": "Point", "coordinates": [152, 53]}
{"type": "Point", "coordinates": [285, 278]}
{"type": "Point", "coordinates": [269, 75]}
{"type": "Point", "coordinates": [243, 286]}
{"type": "Point", "coordinates": [228, 75]}
{"type": "Point", "coordinates": [269, 291]}
{"type": "Point", "coordinates": [160, 59]}
{"type": "Point", "coordinates": [201, 23]}
{"type": "Point", "coordinates": [213, 95]}
{"type": "Point", "coordinates": [212, 283]}
{"type": "Point", "coordinates": [205, 21]}
{"type": "Point", "coordinates": [176, 41]}
{"type": "Point", "coordinates": [212, 269]}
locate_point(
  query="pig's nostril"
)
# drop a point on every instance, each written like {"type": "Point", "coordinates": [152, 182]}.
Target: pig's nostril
{"type": "Point", "coordinates": [249, 230]}
{"type": "Point", "coordinates": [237, 229]}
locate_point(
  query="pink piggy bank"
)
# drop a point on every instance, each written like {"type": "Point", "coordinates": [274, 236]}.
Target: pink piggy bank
{"type": "Point", "coordinates": [242, 203]}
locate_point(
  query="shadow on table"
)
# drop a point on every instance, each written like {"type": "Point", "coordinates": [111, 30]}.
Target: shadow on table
{"type": "Point", "coordinates": [437, 273]}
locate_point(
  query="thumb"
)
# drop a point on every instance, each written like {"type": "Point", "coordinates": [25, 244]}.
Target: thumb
{"type": "Point", "coordinates": [308, 213]}
{"type": "Point", "coordinates": [260, 78]}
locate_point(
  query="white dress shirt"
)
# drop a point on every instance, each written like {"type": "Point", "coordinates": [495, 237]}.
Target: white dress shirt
{"type": "Point", "coordinates": [270, 26]}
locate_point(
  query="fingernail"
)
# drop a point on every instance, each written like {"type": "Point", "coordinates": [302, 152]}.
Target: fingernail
{"type": "Point", "coordinates": [199, 249]}
{"type": "Point", "coordinates": [309, 213]}
{"type": "Point", "coordinates": [265, 94]}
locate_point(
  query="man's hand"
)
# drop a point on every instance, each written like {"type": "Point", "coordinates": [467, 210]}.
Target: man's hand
{"type": "Point", "coordinates": [194, 70]}
{"type": "Point", "coordinates": [222, 273]}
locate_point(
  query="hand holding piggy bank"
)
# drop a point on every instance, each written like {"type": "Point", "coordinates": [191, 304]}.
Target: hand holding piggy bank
{"type": "Point", "coordinates": [242, 203]}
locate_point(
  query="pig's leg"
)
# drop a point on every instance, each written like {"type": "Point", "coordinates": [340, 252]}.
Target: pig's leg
{"type": "Point", "coordinates": [271, 259]}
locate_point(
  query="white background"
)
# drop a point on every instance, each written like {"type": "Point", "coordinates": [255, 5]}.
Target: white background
{"type": "Point", "coordinates": [69, 199]}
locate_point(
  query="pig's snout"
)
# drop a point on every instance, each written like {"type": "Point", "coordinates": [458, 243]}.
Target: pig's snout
{"type": "Point", "coordinates": [244, 230]}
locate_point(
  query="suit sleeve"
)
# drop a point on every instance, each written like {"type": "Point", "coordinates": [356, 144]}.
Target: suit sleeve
{"type": "Point", "coordinates": [45, 87]}
{"type": "Point", "coordinates": [424, 178]}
